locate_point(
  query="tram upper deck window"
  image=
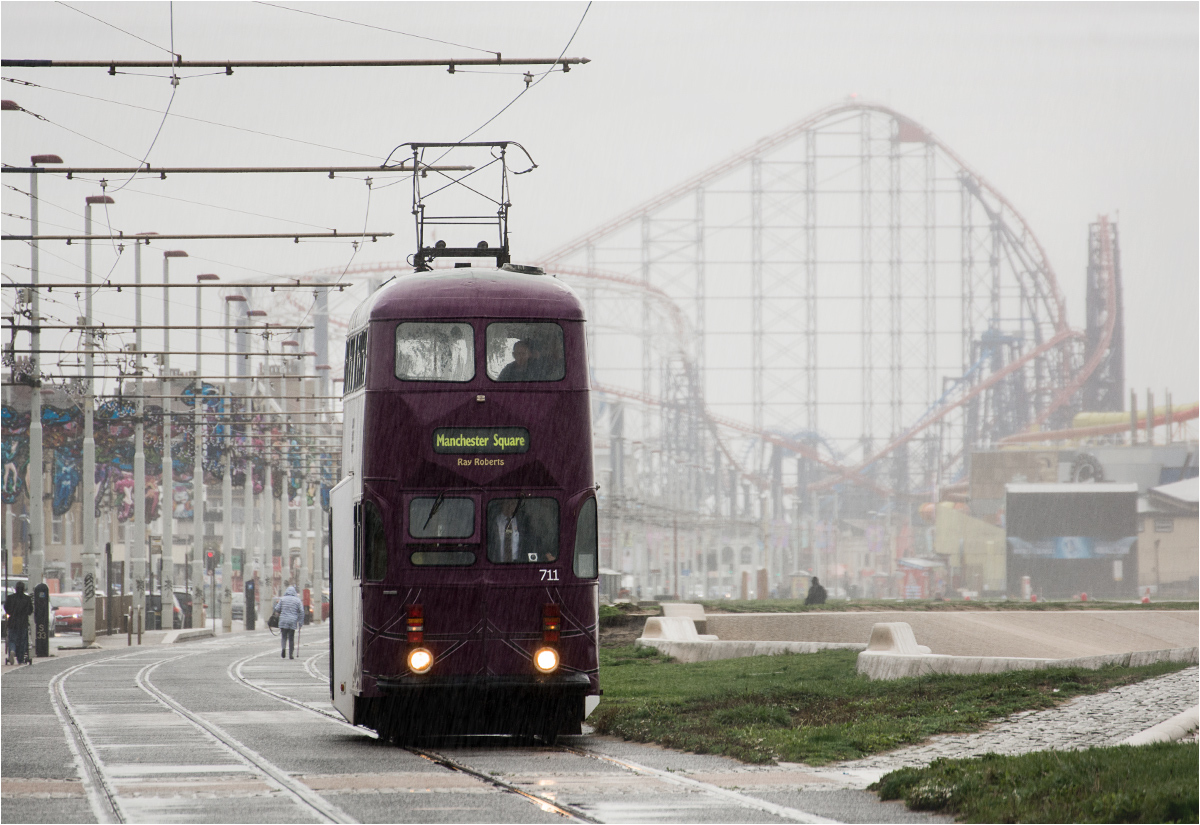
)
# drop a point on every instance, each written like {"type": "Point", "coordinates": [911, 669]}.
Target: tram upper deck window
{"type": "Point", "coordinates": [435, 352]}
{"type": "Point", "coordinates": [442, 517]}
{"type": "Point", "coordinates": [522, 530]}
{"type": "Point", "coordinates": [525, 352]}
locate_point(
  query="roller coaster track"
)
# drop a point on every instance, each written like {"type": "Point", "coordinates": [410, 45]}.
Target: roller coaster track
{"type": "Point", "coordinates": [1052, 351]}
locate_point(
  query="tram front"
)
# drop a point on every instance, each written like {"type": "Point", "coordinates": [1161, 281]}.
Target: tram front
{"type": "Point", "coordinates": [475, 532]}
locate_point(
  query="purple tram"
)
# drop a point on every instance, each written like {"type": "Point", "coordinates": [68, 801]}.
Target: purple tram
{"type": "Point", "coordinates": [464, 541]}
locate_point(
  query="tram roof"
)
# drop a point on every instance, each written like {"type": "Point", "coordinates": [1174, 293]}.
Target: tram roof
{"type": "Point", "coordinates": [470, 293]}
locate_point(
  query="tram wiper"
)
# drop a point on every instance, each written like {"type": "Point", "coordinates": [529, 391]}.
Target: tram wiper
{"type": "Point", "coordinates": [433, 510]}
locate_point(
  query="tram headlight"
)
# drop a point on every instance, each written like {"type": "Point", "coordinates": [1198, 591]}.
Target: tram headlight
{"type": "Point", "coordinates": [420, 660]}
{"type": "Point", "coordinates": [546, 660]}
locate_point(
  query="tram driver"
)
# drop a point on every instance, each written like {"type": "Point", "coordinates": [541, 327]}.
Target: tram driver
{"type": "Point", "coordinates": [507, 532]}
{"type": "Point", "coordinates": [522, 530]}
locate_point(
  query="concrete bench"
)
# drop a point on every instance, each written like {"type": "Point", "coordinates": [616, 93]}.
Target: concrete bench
{"type": "Point", "coordinates": [673, 629]}
{"type": "Point", "coordinates": [893, 653]}
{"type": "Point", "coordinates": [895, 637]}
{"type": "Point", "coordinates": [684, 610]}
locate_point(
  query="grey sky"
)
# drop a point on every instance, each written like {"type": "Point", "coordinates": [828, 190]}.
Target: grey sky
{"type": "Point", "coordinates": [1071, 110]}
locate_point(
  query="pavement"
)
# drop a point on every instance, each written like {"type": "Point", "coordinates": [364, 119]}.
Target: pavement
{"type": "Point", "coordinates": [835, 791]}
{"type": "Point", "coordinates": [71, 644]}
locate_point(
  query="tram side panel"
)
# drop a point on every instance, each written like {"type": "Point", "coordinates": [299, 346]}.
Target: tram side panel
{"type": "Point", "coordinates": [347, 603]}
{"type": "Point", "coordinates": [344, 499]}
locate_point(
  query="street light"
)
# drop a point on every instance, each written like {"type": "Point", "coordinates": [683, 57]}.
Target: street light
{"type": "Point", "coordinates": [37, 506]}
{"type": "Point", "coordinates": [198, 489]}
{"type": "Point", "coordinates": [90, 550]}
{"type": "Point", "coordinates": [166, 496]}
{"type": "Point", "coordinates": [302, 515]}
{"type": "Point", "coordinates": [139, 548]}
{"type": "Point", "coordinates": [227, 486]}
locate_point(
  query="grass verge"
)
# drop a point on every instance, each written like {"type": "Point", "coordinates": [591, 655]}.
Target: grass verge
{"type": "Point", "coordinates": [1150, 783]}
{"type": "Point", "coordinates": [814, 707]}
{"type": "Point", "coordinates": [909, 605]}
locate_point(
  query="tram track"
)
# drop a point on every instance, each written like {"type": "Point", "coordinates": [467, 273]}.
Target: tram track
{"type": "Point", "coordinates": [96, 786]}
{"type": "Point", "coordinates": [100, 787]}
{"type": "Point", "coordinates": [236, 672]}
{"type": "Point", "coordinates": [300, 792]}
{"type": "Point", "coordinates": [566, 810]}
{"type": "Point", "coordinates": [105, 795]}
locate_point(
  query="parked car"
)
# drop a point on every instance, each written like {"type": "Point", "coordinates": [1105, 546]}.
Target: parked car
{"type": "Point", "coordinates": [308, 610]}
{"type": "Point", "coordinates": [239, 605]}
{"type": "Point", "coordinates": [68, 612]}
{"type": "Point", "coordinates": [183, 609]}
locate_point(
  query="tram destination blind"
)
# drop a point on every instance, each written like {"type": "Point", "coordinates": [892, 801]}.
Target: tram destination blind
{"type": "Point", "coordinates": [476, 440]}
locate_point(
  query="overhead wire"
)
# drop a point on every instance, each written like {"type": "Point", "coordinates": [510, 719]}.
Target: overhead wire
{"type": "Point", "coordinates": [380, 28]}
{"type": "Point", "coordinates": [170, 103]}
{"type": "Point", "coordinates": [43, 222]}
{"type": "Point", "coordinates": [528, 86]}
{"type": "Point", "coordinates": [157, 132]}
{"type": "Point", "coordinates": [194, 119]}
{"type": "Point", "coordinates": [118, 28]}
{"type": "Point", "coordinates": [42, 200]}
{"type": "Point", "coordinates": [346, 268]}
{"type": "Point", "coordinates": [238, 266]}
{"type": "Point", "coordinates": [227, 208]}
{"type": "Point", "coordinates": [167, 113]}
{"type": "Point", "coordinates": [78, 134]}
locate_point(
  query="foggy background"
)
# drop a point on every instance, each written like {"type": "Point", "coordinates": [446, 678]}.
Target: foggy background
{"type": "Point", "coordinates": [1070, 110]}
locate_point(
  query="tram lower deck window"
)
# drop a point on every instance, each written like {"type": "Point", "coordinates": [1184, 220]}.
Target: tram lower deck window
{"type": "Point", "coordinates": [525, 352]}
{"type": "Point", "coordinates": [442, 555]}
{"type": "Point", "coordinates": [522, 530]}
{"type": "Point", "coordinates": [374, 543]}
{"type": "Point", "coordinates": [435, 352]}
{"type": "Point", "coordinates": [441, 517]}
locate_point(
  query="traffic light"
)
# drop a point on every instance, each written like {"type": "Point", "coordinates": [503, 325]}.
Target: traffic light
{"type": "Point", "coordinates": [210, 561]}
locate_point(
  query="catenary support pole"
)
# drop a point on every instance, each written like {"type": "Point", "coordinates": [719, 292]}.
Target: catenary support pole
{"type": "Point", "coordinates": [198, 487]}
{"type": "Point", "coordinates": [166, 497]}
{"type": "Point", "coordinates": [88, 489]}
{"type": "Point", "coordinates": [227, 495]}
{"type": "Point", "coordinates": [138, 548]}
{"type": "Point", "coordinates": [251, 548]}
{"type": "Point", "coordinates": [37, 515]}
{"type": "Point", "coordinates": [268, 527]}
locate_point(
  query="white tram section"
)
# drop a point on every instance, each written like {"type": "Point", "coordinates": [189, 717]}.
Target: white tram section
{"type": "Point", "coordinates": [344, 499]}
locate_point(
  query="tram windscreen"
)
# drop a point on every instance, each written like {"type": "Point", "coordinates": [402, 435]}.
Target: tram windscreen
{"type": "Point", "coordinates": [435, 352]}
{"type": "Point", "coordinates": [525, 352]}
{"type": "Point", "coordinates": [452, 518]}
{"type": "Point", "coordinates": [522, 530]}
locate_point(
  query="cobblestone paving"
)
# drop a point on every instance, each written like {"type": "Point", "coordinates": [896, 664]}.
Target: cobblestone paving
{"type": "Point", "coordinates": [1088, 721]}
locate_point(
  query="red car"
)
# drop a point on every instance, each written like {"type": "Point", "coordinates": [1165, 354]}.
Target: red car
{"type": "Point", "coordinates": [68, 612]}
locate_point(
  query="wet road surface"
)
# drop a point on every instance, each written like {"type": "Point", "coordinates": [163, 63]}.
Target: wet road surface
{"type": "Point", "coordinates": [224, 730]}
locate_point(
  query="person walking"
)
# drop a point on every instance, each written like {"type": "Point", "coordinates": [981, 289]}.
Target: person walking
{"type": "Point", "coordinates": [19, 608]}
{"type": "Point", "coordinates": [291, 617]}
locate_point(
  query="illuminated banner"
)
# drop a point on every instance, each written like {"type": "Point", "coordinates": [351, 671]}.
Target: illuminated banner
{"type": "Point", "coordinates": [481, 440]}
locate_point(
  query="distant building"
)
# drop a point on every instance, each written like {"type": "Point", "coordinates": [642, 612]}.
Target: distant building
{"type": "Point", "coordinates": [1169, 540]}
{"type": "Point", "coordinates": [1067, 539]}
